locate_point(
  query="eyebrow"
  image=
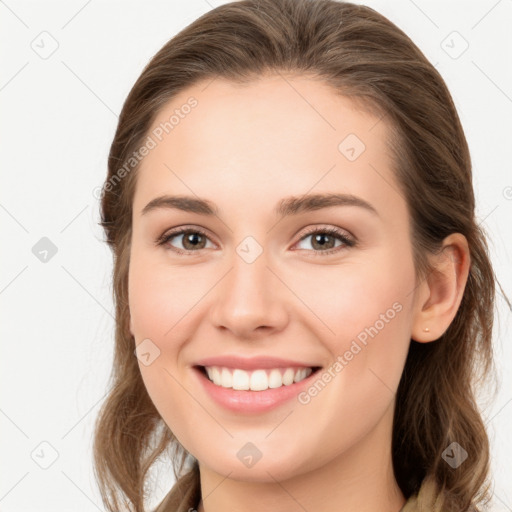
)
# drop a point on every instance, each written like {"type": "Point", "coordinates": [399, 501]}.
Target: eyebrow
{"type": "Point", "coordinates": [291, 205]}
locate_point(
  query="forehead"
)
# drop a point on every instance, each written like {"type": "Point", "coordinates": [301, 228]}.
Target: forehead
{"type": "Point", "coordinates": [278, 135]}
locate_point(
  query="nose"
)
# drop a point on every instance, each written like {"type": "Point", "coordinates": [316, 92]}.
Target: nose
{"type": "Point", "coordinates": [250, 301]}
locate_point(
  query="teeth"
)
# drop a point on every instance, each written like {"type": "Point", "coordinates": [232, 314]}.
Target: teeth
{"type": "Point", "coordinates": [257, 380]}
{"type": "Point", "coordinates": [226, 378]}
{"type": "Point", "coordinates": [240, 380]}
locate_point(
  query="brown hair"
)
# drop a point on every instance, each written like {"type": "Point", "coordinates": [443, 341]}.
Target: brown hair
{"type": "Point", "coordinates": [365, 57]}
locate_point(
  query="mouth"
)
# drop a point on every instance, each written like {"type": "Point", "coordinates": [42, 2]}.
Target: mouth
{"type": "Point", "coordinates": [259, 380]}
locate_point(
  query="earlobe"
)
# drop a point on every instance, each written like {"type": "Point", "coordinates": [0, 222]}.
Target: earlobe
{"type": "Point", "coordinates": [440, 293]}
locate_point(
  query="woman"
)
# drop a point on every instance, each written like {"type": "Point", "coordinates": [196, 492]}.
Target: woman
{"type": "Point", "coordinates": [303, 295]}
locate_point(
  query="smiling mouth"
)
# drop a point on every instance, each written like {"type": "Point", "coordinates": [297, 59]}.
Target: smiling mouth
{"type": "Point", "coordinates": [255, 380]}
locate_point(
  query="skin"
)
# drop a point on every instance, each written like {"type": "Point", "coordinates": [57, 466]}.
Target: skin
{"type": "Point", "coordinates": [246, 148]}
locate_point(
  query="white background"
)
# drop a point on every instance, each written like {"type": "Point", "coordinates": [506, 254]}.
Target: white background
{"type": "Point", "coordinates": [58, 117]}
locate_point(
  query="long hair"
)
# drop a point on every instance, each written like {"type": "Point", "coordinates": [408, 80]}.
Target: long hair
{"type": "Point", "coordinates": [365, 57]}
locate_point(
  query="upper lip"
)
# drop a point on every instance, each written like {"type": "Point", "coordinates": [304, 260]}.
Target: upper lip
{"type": "Point", "coordinates": [252, 363]}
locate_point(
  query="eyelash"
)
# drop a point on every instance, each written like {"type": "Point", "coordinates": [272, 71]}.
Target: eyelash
{"type": "Point", "coordinates": [348, 242]}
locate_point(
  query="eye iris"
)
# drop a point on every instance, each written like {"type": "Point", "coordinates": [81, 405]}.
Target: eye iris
{"type": "Point", "coordinates": [320, 236]}
{"type": "Point", "coordinates": [197, 240]}
{"type": "Point", "coordinates": [191, 237]}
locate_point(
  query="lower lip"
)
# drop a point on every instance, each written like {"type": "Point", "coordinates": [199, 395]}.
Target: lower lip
{"type": "Point", "coordinates": [252, 401]}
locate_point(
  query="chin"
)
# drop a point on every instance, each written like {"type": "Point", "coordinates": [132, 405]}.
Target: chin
{"type": "Point", "coordinates": [268, 468]}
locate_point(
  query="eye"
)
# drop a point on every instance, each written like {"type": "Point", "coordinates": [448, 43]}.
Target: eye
{"type": "Point", "coordinates": [324, 240]}
{"type": "Point", "coordinates": [191, 239]}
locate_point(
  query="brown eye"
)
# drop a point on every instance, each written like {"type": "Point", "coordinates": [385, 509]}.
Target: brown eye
{"type": "Point", "coordinates": [191, 240]}
{"type": "Point", "coordinates": [324, 240]}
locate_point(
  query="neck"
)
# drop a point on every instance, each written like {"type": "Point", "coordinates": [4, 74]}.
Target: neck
{"type": "Point", "coordinates": [360, 478]}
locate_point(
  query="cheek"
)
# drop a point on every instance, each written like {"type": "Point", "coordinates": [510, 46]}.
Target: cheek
{"type": "Point", "coordinates": [159, 301]}
{"type": "Point", "coordinates": [366, 309]}
{"type": "Point", "coordinates": [348, 299]}
{"type": "Point", "coordinates": [160, 296]}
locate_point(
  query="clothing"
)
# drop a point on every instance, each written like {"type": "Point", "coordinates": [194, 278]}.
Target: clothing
{"type": "Point", "coordinates": [185, 496]}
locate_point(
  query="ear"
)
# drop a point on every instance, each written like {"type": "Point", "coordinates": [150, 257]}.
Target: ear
{"type": "Point", "coordinates": [439, 295]}
{"type": "Point", "coordinates": [131, 326]}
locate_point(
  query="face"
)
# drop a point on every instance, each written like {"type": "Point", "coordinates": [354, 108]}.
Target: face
{"type": "Point", "coordinates": [318, 284]}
